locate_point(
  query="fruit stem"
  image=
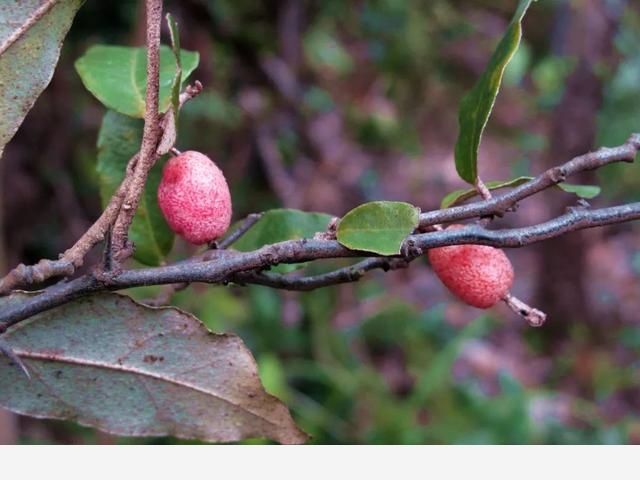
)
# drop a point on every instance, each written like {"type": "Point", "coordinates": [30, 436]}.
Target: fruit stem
{"type": "Point", "coordinates": [533, 316]}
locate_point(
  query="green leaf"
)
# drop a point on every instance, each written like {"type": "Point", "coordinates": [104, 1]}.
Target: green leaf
{"type": "Point", "coordinates": [108, 362]}
{"type": "Point", "coordinates": [477, 104]}
{"type": "Point", "coordinates": [117, 76]}
{"type": "Point", "coordinates": [279, 225]}
{"type": "Point", "coordinates": [282, 224]}
{"type": "Point", "coordinates": [464, 194]}
{"type": "Point", "coordinates": [378, 227]}
{"type": "Point", "coordinates": [119, 139]}
{"type": "Point", "coordinates": [29, 50]}
{"type": "Point", "coordinates": [582, 191]}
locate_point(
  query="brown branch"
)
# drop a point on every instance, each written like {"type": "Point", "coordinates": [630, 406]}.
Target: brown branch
{"type": "Point", "coordinates": [244, 227]}
{"type": "Point", "coordinates": [227, 263]}
{"type": "Point", "coordinates": [348, 274]}
{"type": "Point", "coordinates": [499, 204]}
{"type": "Point", "coordinates": [150, 136]}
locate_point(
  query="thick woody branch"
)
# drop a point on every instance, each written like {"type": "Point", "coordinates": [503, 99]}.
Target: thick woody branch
{"type": "Point", "coordinates": [223, 265]}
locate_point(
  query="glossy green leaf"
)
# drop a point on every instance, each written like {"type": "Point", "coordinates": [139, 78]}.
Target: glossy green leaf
{"type": "Point", "coordinates": [117, 76]}
{"type": "Point", "coordinates": [378, 227]}
{"type": "Point", "coordinates": [119, 139]}
{"type": "Point", "coordinates": [582, 191]}
{"type": "Point", "coordinates": [477, 104]}
{"type": "Point", "coordinates": [108, 362]}
{"type": "Point", "coordinates": [279, 225]}
{"type": "Point", "coordinates": [29, 49]}
{"type": "Point", "coordinates": [464, 194]}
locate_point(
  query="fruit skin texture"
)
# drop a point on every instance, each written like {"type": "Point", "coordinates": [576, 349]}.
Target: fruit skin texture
{"type": "Point", "coordinates": [194, 198]}
{"type": "Point", "coordinates": [478, 275]}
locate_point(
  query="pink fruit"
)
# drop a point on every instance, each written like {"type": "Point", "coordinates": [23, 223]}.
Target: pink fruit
{"type": "Point", "coordinates": [478, 275]}
{"type": "Point", "coordinates": [194, 198]}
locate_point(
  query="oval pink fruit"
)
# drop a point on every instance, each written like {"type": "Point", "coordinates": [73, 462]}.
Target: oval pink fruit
{"type": "Point", "coordinates": [194, 198]}
{"type": "Point", "coordinates": [478, 275]}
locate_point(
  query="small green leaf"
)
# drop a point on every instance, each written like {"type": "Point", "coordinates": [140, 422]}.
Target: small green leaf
{"type": "Point", "coordinates": [477, 104]}
{"type": "Point", "coordinates": [464, 194]}
{"type": "Point", "coordinates": [378, 227]}
{"type": "Point", "coordinates": [279, 225]}
{"type": "Point", "coordinates": [117, 76]}
{"type": "Point", "coordinates": [119, 139]}
{"type": "Point", "coordinates": [29, 50]}
{"type": "Point", "coordinates": [582, 191]}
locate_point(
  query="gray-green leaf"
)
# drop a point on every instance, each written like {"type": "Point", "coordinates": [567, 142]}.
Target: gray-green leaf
{"type": "Point", "coordinates": [378, 227]}
{"type": "Point", "coordinates": [108, 362]}
{"type": "Point", "coordinates": [476, 105]}
{"type": "Point", "coordinates": [31, 35]}
{"type": "Point", "coordinates": [119, 139]}
{"type": "Point", "coordinates": [117, 76]}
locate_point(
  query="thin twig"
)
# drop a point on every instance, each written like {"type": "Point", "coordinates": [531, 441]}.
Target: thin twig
{"type": "Point", "coordinates": [150, 136]}
{"type": "Point", "coordinates": [500, 204]}
{"type": "Point", "coordinates": [533, 316]}
{"type": "Point", "coordinates": [482, 189]}
{"type": "Point", "coordinates": [349, 274]}
{"type": "Point", "coordinates": [244, 227]}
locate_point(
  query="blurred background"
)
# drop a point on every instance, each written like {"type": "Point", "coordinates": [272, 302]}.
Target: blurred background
{"type": "Point", "coordinates": [322, 105]}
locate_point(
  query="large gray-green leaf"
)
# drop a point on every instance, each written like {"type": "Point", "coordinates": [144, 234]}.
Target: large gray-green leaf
{"type": "Point", "coordinates": [378, 227]}
{"type": "Point", "coordinates": [119, 139]}
{"type": "Point", "coordinates": [476, 105]}
{"type": "Point", "coordinates": [110, 363]}
{"type": "Point", "coordinates": [279, 225]}
{"type": "Point", "coordinates": [31, 34]}
{"type": "Point", "coordinates": [117, 76]}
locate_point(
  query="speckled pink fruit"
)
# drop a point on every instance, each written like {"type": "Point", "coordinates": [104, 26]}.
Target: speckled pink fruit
{"type": "Point", "coordinates": [478, 275]}
{"type": "Point", "coordinates": [194, 198]}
